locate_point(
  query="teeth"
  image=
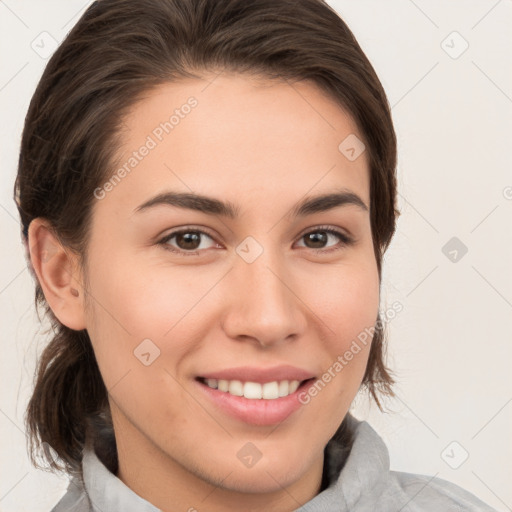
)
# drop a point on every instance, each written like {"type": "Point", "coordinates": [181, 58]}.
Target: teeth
{"type": "Point", "coordinates": [255, 390]}
{"type": "Point", "coordinates": [236, 388]}
{"type": "Point", "coordinates": [213, 383]}
{"type": "Point", "coordinates": [270, 390]}
{"type": "Point", "coordinates": [294, 385]}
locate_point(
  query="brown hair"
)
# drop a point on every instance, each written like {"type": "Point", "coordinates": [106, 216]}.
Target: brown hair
{"type": "Point", "coordinates": [118, 50]}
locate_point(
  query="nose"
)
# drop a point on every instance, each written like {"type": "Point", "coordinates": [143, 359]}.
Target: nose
{"type": "Point", "coordinates": [264, 306]}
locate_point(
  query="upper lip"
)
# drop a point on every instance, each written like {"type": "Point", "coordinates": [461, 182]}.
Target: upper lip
{"type": "Point", "coordinates": [261, 375]}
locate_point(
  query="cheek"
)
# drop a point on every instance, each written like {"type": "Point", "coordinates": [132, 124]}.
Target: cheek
{"type": "Point", "coordinates": [348, 304]}
{"type": "Point", "coordinates": [133, 301]}
{"type": "Point", "coordinates": [143, 299]}
{"type": "Point", "coordinates": [348, 309]}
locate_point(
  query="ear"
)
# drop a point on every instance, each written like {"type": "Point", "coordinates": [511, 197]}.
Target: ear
{"type": "Point", "coordinates": [57, 271]}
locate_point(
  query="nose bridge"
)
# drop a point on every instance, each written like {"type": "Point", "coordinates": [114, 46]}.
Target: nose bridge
{"type": "Point", "coordinates": [263, 306]}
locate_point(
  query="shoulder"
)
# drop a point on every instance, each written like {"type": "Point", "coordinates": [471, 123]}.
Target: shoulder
{"type": "Point", "coordinates": [419, 493]}
{"type": "Point", "coordinates": [366, 482]}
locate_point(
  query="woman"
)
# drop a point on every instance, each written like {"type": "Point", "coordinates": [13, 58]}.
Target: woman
{"type": "Point", "coordinates": [207, 189]}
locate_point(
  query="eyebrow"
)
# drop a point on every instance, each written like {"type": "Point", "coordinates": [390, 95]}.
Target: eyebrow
{"type": "Point", "coordinates": [213, 206]}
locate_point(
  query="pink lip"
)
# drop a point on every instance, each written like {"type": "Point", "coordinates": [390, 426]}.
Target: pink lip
{"type": "Point", "coordinates": [260, 375]}
{"type": "Point", "coordinates": [257, 412]}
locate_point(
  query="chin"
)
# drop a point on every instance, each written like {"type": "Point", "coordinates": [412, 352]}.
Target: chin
{"type": "Point", "coordinates": [261, 481]}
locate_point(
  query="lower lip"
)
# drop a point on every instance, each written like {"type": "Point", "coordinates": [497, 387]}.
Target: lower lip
{"type": "Point", "coordinates": [260, 412]}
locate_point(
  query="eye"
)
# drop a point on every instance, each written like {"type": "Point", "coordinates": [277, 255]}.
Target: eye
{"type": "Point", "coordinates": [186, 240]}
{"type": "Point", "coordinates": [317, 239]}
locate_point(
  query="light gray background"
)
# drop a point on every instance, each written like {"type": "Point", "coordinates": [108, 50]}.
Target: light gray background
{"type": "Point", "coordinates": [451, 345]}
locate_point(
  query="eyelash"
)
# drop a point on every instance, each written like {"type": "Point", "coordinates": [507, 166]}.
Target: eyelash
{"type": "Point", "coordinates": [345, 240]}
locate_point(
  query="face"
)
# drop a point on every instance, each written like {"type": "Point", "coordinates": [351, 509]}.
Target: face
{"type": "Point", "coordinates": [260, 291]}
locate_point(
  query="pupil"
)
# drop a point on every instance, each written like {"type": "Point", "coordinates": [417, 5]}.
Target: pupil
{"type": "Point", "coordinates": [189, 238]}
{"type": "Point", "coordinates": [320, 236]}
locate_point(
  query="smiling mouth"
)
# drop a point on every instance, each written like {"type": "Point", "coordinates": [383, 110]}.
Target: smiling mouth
{"type": "Point", "coordinates": [254, 390]}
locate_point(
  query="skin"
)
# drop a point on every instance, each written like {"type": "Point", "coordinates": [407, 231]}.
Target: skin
{"type": "Point", "coordinates": [262, 146]}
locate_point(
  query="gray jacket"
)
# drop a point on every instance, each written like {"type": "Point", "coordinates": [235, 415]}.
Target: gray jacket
{"type": "Point", "coordinates": [359, 482]}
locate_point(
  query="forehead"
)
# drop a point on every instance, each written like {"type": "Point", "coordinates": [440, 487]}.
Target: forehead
{"type": "Point", "coordinates": [235, 135]}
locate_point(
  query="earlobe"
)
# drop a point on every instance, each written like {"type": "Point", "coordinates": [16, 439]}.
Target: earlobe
{"type": "Point", "coordinates": [56, 268]}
